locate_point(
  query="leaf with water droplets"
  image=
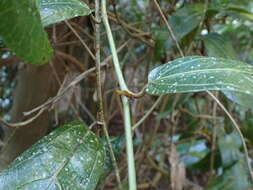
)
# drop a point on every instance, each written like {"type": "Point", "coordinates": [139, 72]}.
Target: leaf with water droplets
{"type": "Point", "coordinates": [71, 157]}
{"type": "Point", "coordinates": [218, 45]}
{"type": "Point", "coordinates": [54, 11]}
{"type": "Point", "coordinates": [21, 30]}
{"type": "Point", "coordinates": [197, 73]}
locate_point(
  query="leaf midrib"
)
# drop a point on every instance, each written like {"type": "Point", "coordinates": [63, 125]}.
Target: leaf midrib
{"type": "Point", "coordinates": [199, 71]}
{"type": "Point", "coordinates": [176, 64]}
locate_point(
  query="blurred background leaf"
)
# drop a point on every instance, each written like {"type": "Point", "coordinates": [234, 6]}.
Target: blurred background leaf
{"type": "Point", "coordinates": [234, 174]}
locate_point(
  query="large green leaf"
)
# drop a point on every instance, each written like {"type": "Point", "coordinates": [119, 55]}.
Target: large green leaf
{"type": "Point", "coordinates": [22, 31]}
{"type": "Point", "coordinates": [197, 73]}
{"type": "Point", "coordinates": [53, 11]}
{"type": "Point", "coordinates": [71, 157]}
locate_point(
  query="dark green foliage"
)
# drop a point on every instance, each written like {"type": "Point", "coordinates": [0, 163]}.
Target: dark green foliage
{"type": "Point", "coordinates": [22, 31]}
{"type": "Point", "coordinates": [235, 176]}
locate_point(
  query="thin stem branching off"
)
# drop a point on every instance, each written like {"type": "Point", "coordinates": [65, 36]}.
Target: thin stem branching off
{"type": "Point", "coordinates": [81, 40]}
{"type": "Point", "coordinates": [147, 113]}
{"type": "Point", "coordinates": [126, 106]}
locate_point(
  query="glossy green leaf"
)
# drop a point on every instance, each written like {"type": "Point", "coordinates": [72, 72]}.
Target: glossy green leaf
{"type": "Point", "coordinates": [54, 11]}
{"type": "Point", "coordinates": [219, 46]}
{"type": "Point", "coordinates": [197, 73]}
{"type": "Point", "coordinates": [22, 31]}
{"type": "Point", "coordinates": [71, 157]}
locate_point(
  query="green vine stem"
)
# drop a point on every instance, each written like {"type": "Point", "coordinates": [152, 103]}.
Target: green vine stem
{"type": "Point", "coordinates": [126, 106]}
{"type": "Point", "coordinates": [99, 90]}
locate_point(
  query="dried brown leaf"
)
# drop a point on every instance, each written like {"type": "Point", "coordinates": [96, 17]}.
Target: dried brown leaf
{"type": "Point", "coordinates": [178, 174]}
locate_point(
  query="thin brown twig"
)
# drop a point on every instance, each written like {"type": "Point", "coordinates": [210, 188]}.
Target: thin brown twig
{"type": "Point", "coordinates": [147, 114]}
{"type": "Point", "coordinates": [74, 82]}
{"type": "Point", "coordinates": [237, 128]}
{"type": "Point", "coordinates": [62, 85]}
{"type": "Point", "coordinates": [40, 109]}
{"type": "Point", "coordinates": [22, 123]}
{"type": "Point", "coordinates": [81, 29]}
{"type": "Point", "coordinates": [81, 40]}
{"type": "Point", "coordinates": [113, 18]}
{"type": "Point", "coordinates": [169, 28]}
{"type": "Point", "coordinates": [137, 34]}
{"type": "Point", "coordinates": [214, 137]}
{"type": "Point", "coordinates": [199, 115]}
{"type": "Point", "coordinates": [75, 61]}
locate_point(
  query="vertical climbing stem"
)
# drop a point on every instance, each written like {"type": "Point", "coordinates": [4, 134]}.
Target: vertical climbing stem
{"type": "Point", "coordinates": [99, 90]}
{"type": "Point", "coordinates": [126, 106]}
